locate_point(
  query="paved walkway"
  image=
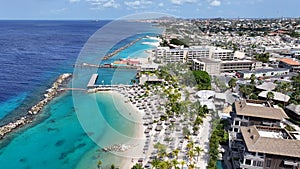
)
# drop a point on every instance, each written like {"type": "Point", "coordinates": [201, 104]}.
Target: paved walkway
{"type": "Point", "coordinates": [204, 142]}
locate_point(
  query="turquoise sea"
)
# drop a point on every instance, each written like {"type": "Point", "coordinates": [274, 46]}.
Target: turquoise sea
{"type": "Point", "coordinates": [69, 130]}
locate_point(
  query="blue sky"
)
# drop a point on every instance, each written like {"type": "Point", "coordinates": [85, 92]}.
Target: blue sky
{"type": "Point", "coordinates": [111, 9]}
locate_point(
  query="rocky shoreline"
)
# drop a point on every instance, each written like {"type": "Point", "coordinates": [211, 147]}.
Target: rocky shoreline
{"type": "Point", "coordinates": [48, 96]}
{"type": "Point", "coordinates": [118, 148]}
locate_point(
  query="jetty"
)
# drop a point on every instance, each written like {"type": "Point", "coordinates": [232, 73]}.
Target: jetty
{"type": "Point", "coordinates": [93, 87]}
{"type": "Point", "coordinates": [107, 66]}
{"type": "Point", "coordinates": [48, 96]}
{"type": "Point", "coordinates": [121, 48]}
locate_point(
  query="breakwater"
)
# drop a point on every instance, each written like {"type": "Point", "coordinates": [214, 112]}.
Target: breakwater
{"type": "Point", "coordinates": [107, 66]}
{"type": "Point", "coordinates": [121, 48]}
{"type": "Point", "coordinates": [48, 96]}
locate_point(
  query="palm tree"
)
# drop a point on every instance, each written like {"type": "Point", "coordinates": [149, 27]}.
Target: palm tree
{"type": "Point", "coordinates": [99, 164]}
{"type": "Point", "coordinates": [137, 166]}
{"type": "Point", "coordinates": [190, 145]}
{"type": "Point", "coordinates": [176, 152]}
{"type": "Point", "coordinates": [155, 163]}
{"type": "Point", "coordinates": [198, 150]}
{"type": "Point", "coordinates": [191, 155]}
{"type": "Point", "coordinates": [252, 78]}
{"type": "Point", "coordinates": [232, 83]}
{"type": "Point", "coordinates": [191, 166]}
{"type": "Point", "coordinates": [112, 166]}
{"type": "Point", "coordinates": [182, 163]}
{"type": "Point", "coordinates": [270, 95]}
{"type": "Point", "coordinates": [174, 163]}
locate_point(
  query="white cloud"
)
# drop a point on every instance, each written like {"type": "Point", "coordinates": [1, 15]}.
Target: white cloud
{"type": "Point", "coordinates": [215, 3]}
{"type": "Point", "coordinates": [98, 4]}
{"type": "Point", "coordinates": [58, 11]}
{"type": "Point", "coordinates": [74, 1]}
{"type": "Point", "coordinates": [161, 4]}
{"type": "Point", "coordinates": [111, 4]}
{"type": "Point", "coordinates": [137, 4]}
{"type": "Point", "coordinates": [180, 2]}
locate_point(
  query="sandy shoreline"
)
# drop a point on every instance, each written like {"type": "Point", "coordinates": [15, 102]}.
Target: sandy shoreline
{"type": "Point", "coordinates": [136, 116]}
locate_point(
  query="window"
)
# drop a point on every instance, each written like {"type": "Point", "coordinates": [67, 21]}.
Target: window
{"type": "Point", "coordinates": [254, 163]}
{"type": "Point", "coordinates": [268, 163]}
{"type": "Point", "coordinates": [237, 123]}
{"type": "Point", "coordinates": [248, 162]}
{"type": "Point", "coordinates": [260, 163]}
{"type": "Point", "coordinates": [260, 154]}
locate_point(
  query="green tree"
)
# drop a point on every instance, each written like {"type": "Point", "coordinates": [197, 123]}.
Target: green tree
{"type": "Point", "coordinates": [252, 78]}
{"type": "Point", "coordinates": [270, 95]}
{"type": "Point", "coordinates": [182, 163]}
{"type": "Point", "coordinates": [264, 57]}
{"type": "Point", "coordinates": [155, 163]}
{"type": "Point", "coordinates": [99, 164]}
{"type": "Point", "coordinates": [137, 166]}
{"type": "Point", "coordinates": [202, 79]}
{"type": "Point", "coordinates": [178, 42]}
{"type": "Point", "coordinates": [198, 150]}
{"type": "Point", "coordinates": [176, 152]}
{"type": "Point", "coordinates": [112, 166]}
{"type": "Point", "coordinates": [174, 163]}
{"type": "Point", "coordinates": [232, 83]}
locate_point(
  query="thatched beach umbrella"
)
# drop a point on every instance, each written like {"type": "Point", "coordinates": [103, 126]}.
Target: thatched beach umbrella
{"type": "Point", "coordinates": [158, 127]}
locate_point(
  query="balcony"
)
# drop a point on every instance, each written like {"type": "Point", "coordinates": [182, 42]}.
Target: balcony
{"type": "Point", "coordinates": [291, 163]}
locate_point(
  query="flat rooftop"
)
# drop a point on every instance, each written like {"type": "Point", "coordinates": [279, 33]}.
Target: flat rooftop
{"type": "Point", "coordinates": [265, 70]}
{"type": "Point", "coordinates": [206, 60]}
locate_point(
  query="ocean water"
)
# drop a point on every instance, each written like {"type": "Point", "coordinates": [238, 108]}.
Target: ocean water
{"type": "Point", "coordinates": [33, 54]}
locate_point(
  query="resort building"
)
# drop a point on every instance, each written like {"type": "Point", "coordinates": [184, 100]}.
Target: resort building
{"type": "Point", "coordinates": [268, 147]}
{"type": "Point", "coordinates": [148, 67]}
{"type": "Point", "coordinates": [182, 55]}
{"type": "Point", "coordinates": [205, 64]}
{"type": "Point", "coordinates": [149, 79]}
{"type": "Point", "coordinates": [292, 64]}
{"type": "Point", "coordinates": [198, 52]}
{"type": "Point", "coordinates": [236, 65]}
{"type": "Point", "coordinates": [160, 53]}
{"type": "Point", "coordinates": [175, 56]}
{"type": "Point", "coordinates": [255, 112]}
{"type": "Point", "coordinates": [246, 74]}
{"type": "Point", "coordinates": [223, 54]}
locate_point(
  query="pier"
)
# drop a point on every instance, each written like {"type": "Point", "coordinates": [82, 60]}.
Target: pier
{"type": "Point", "coordinates": [93, 87]}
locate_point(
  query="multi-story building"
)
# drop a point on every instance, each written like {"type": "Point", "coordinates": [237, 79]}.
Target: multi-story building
{"type": "Point", "coordinates": [167, 55]}
{"type": "Point", "coordinates": [268, 148]}
{"type": "Point", "coordinates": [255, 112]}
{"type": "Point", "coordinates": [223, 54]}
{"type": "Point", "coordinates": [175, 56]}
{"type": "Point", "coordinates": [198, 52]}
{"type": "Point", "coordinates": [160, 53]}
{"type": "Point", "coordinates": [263, 73]}
{"type": "Point", "coordinates": [205, 64]}
{"type": "Point", "coordinates": [236, 65]}
{"type": "Point", "coordinates": [290, 63]}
